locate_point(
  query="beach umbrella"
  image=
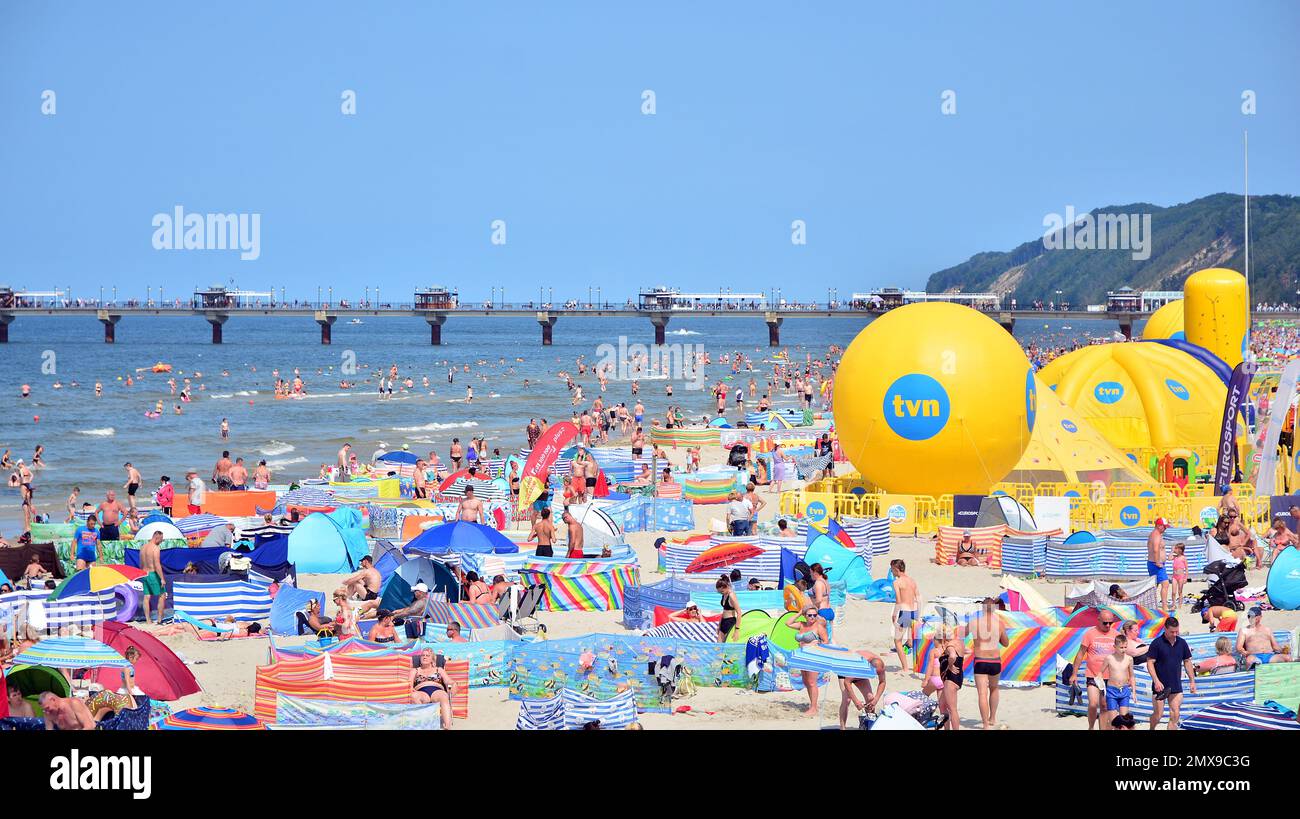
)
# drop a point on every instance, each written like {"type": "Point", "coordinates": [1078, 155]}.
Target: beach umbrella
{"type": "Point", "coordinates": [72, 652]}
{"type": "Point", "coordinates": [721, 556]}
{"type": "Point", "coordinates": [208, 718]}
{"type": "Point", "coordinates": [192, 525]}
{"type": "Point", "coordinates": [158, 671]}
{"type": "Point", "coordinates": [31, 680]}
{"type": "Point", "coordinates": [831, 659]}
{"type": "Point", "coordinates": [462, 537]}
{"type": "Point", "coordinates": [96, 579]}
{"type": "Point", "coordinates": [399, 457]}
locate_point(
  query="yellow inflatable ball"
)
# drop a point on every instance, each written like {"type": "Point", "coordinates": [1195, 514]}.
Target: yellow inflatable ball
{"type": "Point", "coordinates": [934, 398]}
{"type": "Point", "coordinates": [1167, 322]}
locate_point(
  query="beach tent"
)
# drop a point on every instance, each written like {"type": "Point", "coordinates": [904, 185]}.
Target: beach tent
{"type": "Point", "coordinates": [598, 528]}
{"type": "Point", "coordinates": [287, 602]}
{"type": "Point", "coordinates": [1145, 395]}
{"type": "Point", "coordinates": [169, 530]}
{"type": "Point", "coordinates": [397, 590]}
{"type": "Point", "coordinates": [841, 564]}
{"type": "Point", "coordinates": [1283, 582]}
{"type": "Point", "coordinates": [1002, 510]}
{"type": "Point", "coordinates": [158, 671]}
{"type": "Point", "coordinates": [1066, 448]}
{"type": "Point", "coordinates": [328, 542]}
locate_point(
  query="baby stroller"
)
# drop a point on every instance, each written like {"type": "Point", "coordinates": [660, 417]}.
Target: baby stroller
{"type": "Point", "coordinates": [1224, 581]}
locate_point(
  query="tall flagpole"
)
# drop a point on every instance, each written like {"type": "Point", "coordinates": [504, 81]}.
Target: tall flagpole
{"type": "Point", "coordinates": [1245, 144]}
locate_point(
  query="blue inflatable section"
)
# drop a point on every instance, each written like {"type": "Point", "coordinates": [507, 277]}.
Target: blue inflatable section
{"type": "Point", "coordinates": [1196, 351]}
{"type": "Point", "coordinates": [1284, 580]}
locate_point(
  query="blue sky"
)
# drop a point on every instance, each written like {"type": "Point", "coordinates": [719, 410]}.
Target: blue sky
{"type": "Point", "coordinates": [531, 113]}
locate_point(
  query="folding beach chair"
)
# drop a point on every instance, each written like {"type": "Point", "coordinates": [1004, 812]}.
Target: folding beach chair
{"type": "Point", "coordinates": [522, 619]}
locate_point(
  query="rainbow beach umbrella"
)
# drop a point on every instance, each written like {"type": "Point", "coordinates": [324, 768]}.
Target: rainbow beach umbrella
{"type": "Point", "coordinates": [207, 718]}
{"type": "Point", "coordinates": [72, 652]}
{"type": "Point", "coordinates": [96, 579]}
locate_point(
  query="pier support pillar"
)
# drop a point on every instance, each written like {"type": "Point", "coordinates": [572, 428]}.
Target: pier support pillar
{"type": "Point", "coordinates": [110, 326]}
{"type": "Point", "coordinates": [1126, 327]}
{"type": "Point", "coordinates": [5, 319]}
{"type": "Point", "coordinates": [435, 328]}
{"type": "Point", "coordinates": [547, 323]}
{"type": "Point", "coordinates": [660, 321]}
{"type": "Point", "coordinates": [216, 320]}
{"type": "Point", "coordinates": [326, 322]}
{"type": "Point", "coordinates": [773, 329]}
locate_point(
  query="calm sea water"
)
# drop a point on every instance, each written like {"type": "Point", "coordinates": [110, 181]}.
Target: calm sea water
{"type": "Point", "coordinates": [87, 439]}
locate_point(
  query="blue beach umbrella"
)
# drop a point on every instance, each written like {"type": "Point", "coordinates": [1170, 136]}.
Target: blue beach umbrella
{"type": "Point", "coordinates": [72, 652]}
{"type": "Point", "coordinates": [462, 537]}
{"type": "Point", "coordinates": [399, 457]}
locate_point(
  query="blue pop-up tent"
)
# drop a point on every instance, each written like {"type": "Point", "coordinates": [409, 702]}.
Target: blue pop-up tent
{"type": "Point", "coordinates": [328, 542]}
{"type": "Point", "coordinates": [1283, 582]}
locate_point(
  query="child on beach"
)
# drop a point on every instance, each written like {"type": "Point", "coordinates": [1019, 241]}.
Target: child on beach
{"type": "Point", "coordinates": [1180, 573]}
{"type": "Point", "coordinates": [1118, 674]}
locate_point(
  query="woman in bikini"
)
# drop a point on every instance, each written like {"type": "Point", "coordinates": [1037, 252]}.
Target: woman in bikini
{"type": "Point", "coordinates": [731, 612]}
{"type": "Point", "coordinates": [384, 631]}
{"type": "Point", "coordinates": [430, 683]}
{"type": "Point", "coordinates": [809, 631]}
{"type": "Point", "coordinates": [944, 677]}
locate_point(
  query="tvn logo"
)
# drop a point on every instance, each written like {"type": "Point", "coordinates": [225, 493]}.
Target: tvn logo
{"type": "Point", "coordinates": [916, 407]}
{"type": "Point", "coordinates": [1108, 392]}
{"type": "Point", "coordinates": [1130, 516]}
{"type": "Point", "coordinates": [1177, 389]}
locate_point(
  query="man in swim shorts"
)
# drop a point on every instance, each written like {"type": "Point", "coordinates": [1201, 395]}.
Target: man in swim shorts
{"type": "Point", "coordinates": [1156, 560]}
{"type": "Point", "coordinates": [365, 583]}
{"type": "Point", "coordinates": [131, 486]}
{"type": "Point", "coordinates": [1256, 643]}
{"type": "Point", "coordinates": [990, 637]}
{"type": "Point", "coordinates": [154, 583]}
{"type": "Point", "coordinates": [904, 616]}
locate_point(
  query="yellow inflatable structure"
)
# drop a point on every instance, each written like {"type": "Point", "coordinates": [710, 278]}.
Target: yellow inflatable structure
{"type": "Point", "coordinates": [934, 398]}
{"type": "Point", "coordinates": [1065, 448]}
{"type": "Point", "coordinates": [1167, 322]}
{"type": "Point", "coordinates": [1217, 312]}
{"type": "Point", "coordinates": [1141, 395]}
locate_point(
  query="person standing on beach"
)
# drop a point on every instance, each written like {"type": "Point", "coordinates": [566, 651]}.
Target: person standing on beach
{"type": "Point", "coordinates": [165, 495]}
{"type": "Point", "coordinates": [344, 458]}
{"type": "Point", "coordinates": [85, 543]}
{"type": "Point", "coordinates": [544, 532]}
{"type": "Point", "coordinates": [1098, 644]}
{"type": "Point", "coordinates": [470, 509]}
{"type": "Point", "coordinates": [1156, 560]}
{"type": "Point", "coordinates": [154, 582]}
{"type": "Point", "coordinates": [455, 453]}
{"type": "Point", "coordinates": [1168, 657]}
{"type": "Point", "coordinates": [221, 471]}
{"type": "Point", "coordinates": [110, 516]}
{"type": "Point", "coordinates": [990, 638]}
{"type": "Point", "coordinates": [198, 492]}
{"type": "Point", "coordinates": [904, 615]}
{"type": "Point", "coordinates": [131, 486]}
{"type": "Point", "coordinates": [72, 503]}
{"type": "Point", "coordinates": [575, 537]}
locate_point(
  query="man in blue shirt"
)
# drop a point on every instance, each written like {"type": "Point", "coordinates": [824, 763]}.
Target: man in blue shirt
{"type": "Point", "coordinates": [1167, 657]}
{"type": "Point", "coordinates": [85, 542]}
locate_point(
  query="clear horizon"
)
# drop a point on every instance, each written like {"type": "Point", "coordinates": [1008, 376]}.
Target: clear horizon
{"type": "Point", "coordinates": [531, 125]}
